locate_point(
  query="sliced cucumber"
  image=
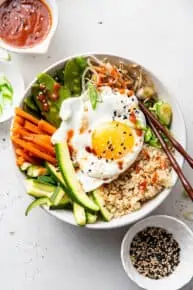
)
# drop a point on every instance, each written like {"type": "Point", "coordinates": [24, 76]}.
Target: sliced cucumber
{"type": "Point", "coordinates": [55, 174]}
{"type": "Point", "coordinates": [101, 204]}
{"type": "Point", "coordinates": [38, 189]}
{"type": "Point", "coordinates": [79, 214]}
{"type": "Point", "coordinates": [91, 218]}
{"type": "Point", "coordinates": [36, 203]}
{"type": "Point", "coordinates": [164, 113]}
{"type": "Point", "coordinates": [73, 187]}
{"type": "Point", "coordinates": [35, 171]}
{"type": "Point", "coordinates": [25, 166]}
{"type": "Point", "coordinates": [57, 196]}
{"type": "Point", "coordinates": [64, 203]}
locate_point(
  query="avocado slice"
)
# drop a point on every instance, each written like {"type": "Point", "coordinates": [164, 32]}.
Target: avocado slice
{"type": "Point", "coordinates": [38, 189]}
{"type": "Point", "coordinates": [101, 204]}
{"type": "Point", "coordinates": [73, 187]}
{"type": "Point", "coordinates": [79, 214]}
{"type": "Point", "coordinates": [52, 115]}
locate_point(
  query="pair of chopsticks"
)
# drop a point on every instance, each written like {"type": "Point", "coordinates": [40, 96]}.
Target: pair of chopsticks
{"type": "Point", "coordinates": [157, 129]}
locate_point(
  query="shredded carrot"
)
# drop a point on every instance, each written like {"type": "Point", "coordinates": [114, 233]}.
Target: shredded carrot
{"type": "Point", "coordinates": [46, 127]}
{"type": "Point", "coordinates": [31, 127]}
{"type": "Point", "coordinates": [154, 177]}
{"type": "Point", "coordinates": [26, 116]}
{"type": "Point", "coordinates": [31, 148]}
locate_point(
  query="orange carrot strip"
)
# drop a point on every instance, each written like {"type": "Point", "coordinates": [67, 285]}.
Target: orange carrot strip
{"type": "Point", "coordinates": [19, 120]}
{"type": "Point", "coordinates": [25, 115]}
{"type": "Point", "coordinates": [20, 161]}
{"type": "Point", "coordinates": [20, 152]}
{"type": "Point", "coordinates": [42, 144]}
{"type": "Point", "coordinates": [31, 148]}
{"type": "Point", "coordinates": [46, 127]}
{"type": "Point", "coordinates": [31, 127]}
{"type": "Point", "coordinates": [17, 130]}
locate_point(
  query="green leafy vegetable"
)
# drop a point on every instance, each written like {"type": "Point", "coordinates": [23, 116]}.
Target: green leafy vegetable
{"type": "Point", "coordinates": [52, 113]}
{"type": "Point", "coordinates": [93, 94]}
{"type": "Point", "coordinates": [148, 135]}
{"type": "Point", "coordinates": [73, 75]}
{"type": "Point", "coordinates": [46, 180]}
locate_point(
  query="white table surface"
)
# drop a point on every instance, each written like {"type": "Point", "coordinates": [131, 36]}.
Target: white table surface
{"type": "Point", "coordinates": [40, 252]}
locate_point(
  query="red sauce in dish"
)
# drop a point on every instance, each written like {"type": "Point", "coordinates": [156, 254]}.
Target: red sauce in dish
{"type": "Point", "coordinates": [24, 23]}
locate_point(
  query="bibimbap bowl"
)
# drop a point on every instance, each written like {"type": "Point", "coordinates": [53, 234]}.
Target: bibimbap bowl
{"type": "Point", "coordinates": [139, 210]}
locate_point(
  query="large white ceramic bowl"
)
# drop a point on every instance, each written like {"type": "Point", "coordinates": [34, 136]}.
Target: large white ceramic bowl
{"type": "Point", "coordinates": [178, 129]}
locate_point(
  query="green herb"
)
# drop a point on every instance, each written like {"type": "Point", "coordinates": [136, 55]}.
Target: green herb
{"type": "Point", "coordinates": [93, 94]}
{"type": "Point", "coordinates": [46, 180]}
{"type": "Point", "coordinates": [148, 135]}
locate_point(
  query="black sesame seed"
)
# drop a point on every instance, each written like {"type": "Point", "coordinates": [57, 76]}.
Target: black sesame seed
{"type": "Point", "coordinates": [124, 132]}
{"type": "Point", "coordinates": [115, 113]}
{"type": "Point", "coordinates": [124, 107]}
{"type": "Point", "coordinates": [124, 117]}
{"type": "Point", "coordinates": [155, 253]}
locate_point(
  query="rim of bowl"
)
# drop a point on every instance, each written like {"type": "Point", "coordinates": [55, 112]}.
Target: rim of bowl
{"type": "Point", "coordinates": [43, 46]}
{"type": "Point", "coordinates": [139, 223]}
{"type": "Point", "coordinates": [121, 221]}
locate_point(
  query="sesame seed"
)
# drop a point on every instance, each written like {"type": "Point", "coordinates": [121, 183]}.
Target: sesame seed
{"type": "Point", "coordinates": [124, 132]}
{"type": "Point", "coordinates": [124, 117]}
{"type": "Point", "coordinates": [154, 253]}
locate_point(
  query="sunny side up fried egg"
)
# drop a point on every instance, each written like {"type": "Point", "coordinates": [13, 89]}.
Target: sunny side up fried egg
{"type": "Point", "coordinates": [103, 142]}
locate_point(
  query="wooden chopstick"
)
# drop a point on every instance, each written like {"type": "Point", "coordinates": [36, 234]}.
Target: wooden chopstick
{"type": "Point", "coordinates": [166, 132]}
{"type": "Point", "coordinates": [172, 159]}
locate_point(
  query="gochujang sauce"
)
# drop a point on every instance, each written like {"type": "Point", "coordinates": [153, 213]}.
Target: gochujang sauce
{"type": "Point", "coordinates": [24, 23]}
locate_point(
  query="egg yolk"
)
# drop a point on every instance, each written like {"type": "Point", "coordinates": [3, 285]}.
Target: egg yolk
{"type": "Point", "coordinates": [112, 140]}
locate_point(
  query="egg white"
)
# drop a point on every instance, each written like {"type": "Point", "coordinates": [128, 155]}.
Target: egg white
{"type": "Point", "coordinates": [93, 171]}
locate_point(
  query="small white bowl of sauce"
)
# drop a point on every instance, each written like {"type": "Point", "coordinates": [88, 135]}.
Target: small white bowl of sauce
{"type": "Point", "coordinates": [27, 26]}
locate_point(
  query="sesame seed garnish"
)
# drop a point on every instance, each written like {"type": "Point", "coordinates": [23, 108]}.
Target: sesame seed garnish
{"type": "Point", "coordinates": [124, 148]}
{"type": "Point", "coordinates": [155, 253]}
{"type": "Point", "coordinates": [130, 134]}
{"type": "Point", "coordinates": [124, 117]}
{"type": "Point", "coordinates": [115, 113]}
{"type": "Point", "coordinates": [124, 132]}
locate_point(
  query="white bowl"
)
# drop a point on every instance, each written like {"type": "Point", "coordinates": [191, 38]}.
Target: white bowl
{"type": "Point", "coordinates": [178, 129]}
{"type": "Point", "coordinates": [13, 74]}
{"type": "Point", "coordinates": [43, 46]}
{"type": "Point", "coordinates": [182, 234]}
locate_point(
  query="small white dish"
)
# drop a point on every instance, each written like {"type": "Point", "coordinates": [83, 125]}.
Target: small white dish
{"type": "Point", "coordinates": [43, 46]}
{"type": "Point", "coordinates": [182, 234]}
{"type": "Point", "coordinates": [14, 76]}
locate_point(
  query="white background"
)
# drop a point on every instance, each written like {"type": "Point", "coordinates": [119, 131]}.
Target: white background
{"type": "Point", "coordinates": [40, 252]}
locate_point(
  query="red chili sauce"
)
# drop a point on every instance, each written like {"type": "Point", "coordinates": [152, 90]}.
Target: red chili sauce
{"type": "Point", "coordinates": [24, 23]}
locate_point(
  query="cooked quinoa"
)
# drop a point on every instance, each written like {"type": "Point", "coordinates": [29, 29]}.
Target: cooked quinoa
{"type": "Point", "coordinates": [150, 174]}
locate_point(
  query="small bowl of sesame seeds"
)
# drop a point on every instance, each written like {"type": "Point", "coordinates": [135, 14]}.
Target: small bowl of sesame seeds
{"type": "Point", "coordinates": [157, 253]}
